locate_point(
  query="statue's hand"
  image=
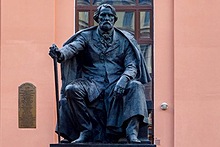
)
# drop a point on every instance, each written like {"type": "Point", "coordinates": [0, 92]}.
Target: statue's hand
{"type": "Point", "coordinates": [120, 86]}
{"type": "Point", "coordinates": [54, 51]}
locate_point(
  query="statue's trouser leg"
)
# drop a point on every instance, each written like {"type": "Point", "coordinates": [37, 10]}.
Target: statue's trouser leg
{"type": "Point", "coordinates": [68, 125]}
{"type": "Point", "coordinates": [133, 126]}
{"type": "Point", "coordinates": [132, 130]}
{"type": "Point", "coordinates": [76, 96]}
{"type": "Point", "coordinates": [138, 106]}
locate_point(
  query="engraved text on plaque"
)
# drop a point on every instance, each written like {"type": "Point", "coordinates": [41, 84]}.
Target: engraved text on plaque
{"type": "Point", "coordinates": [27, 105]}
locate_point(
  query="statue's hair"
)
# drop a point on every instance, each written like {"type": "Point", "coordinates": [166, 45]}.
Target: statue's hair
{"type": "Point", "coordinates": [97, 12]}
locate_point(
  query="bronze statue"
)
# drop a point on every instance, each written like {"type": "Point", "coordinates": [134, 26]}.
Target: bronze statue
{"type": "Point", "coordinates": [103, 72]}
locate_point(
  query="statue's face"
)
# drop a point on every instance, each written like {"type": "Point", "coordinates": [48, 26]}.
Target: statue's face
{"type": "Point", "coordinates": [106, 19]}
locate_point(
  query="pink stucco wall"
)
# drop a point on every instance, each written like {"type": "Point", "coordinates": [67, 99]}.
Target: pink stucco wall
{"type": "Point", "coordinates": [27, 29]}
{"type": "Point", "coordinates": [187, 73]}
{"type": "Point", "coordinates": [186, 64]}
{"type": "Point", "coordinates": [164, 72]}
{"type": "Point", "coordinates": [196, 73]}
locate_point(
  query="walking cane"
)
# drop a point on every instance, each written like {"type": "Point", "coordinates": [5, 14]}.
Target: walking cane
{"type": "Point", "coordinates": [57, 95]}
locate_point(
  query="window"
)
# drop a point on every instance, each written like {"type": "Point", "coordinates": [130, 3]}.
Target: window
{"type": "Point", "coordinates": [135, 16]}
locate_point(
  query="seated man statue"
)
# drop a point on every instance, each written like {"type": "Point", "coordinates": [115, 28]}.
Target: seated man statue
{"type": "Point", "coordinates": [108, 73]}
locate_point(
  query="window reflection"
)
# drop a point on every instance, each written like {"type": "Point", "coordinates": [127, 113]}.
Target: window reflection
{"type": "Point", "coordinates": [83, 20]}
{"type": "Point", "coordinates": [125, 21]}
{"type": "Point", "coordinates": [83, 2]}
{"type": "Point", "coordinates": [145, 2]}
{"type": "Point", "coordinates": [146, 50]}
{"type": "Point", "coordinates": [145, 24]}
{"type": "Point", "coordinates": [114, 2]}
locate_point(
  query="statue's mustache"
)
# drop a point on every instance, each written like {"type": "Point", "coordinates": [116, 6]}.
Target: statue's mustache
{"type": "Point", "coordinates": [106, 21]}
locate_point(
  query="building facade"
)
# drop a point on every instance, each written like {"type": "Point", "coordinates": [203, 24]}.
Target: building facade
{"type": "Point", "coordinates": [185, 66]}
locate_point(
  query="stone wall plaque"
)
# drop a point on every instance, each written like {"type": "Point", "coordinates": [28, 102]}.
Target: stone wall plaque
{"type": "Point", "coordinates": [27, 105]}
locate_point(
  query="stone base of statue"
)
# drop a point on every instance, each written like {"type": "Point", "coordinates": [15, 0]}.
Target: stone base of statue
{"type": "Point", "coordinates": [102, 145]}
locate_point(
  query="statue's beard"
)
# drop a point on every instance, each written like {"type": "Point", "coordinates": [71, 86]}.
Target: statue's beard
{"type": "Point", "coordinates": [106, 26]}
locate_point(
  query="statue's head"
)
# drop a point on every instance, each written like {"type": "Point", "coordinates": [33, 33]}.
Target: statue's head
{"type": "Point", "coordinates": [105, 16]}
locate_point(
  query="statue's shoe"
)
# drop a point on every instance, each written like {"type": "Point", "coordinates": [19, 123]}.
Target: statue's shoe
{"type": "Point", "coordinates": [133, 139]}
{"type": "Point", "coordinates": [84, 136]}
{"type": "Point", "coordinates": [65, 141]}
